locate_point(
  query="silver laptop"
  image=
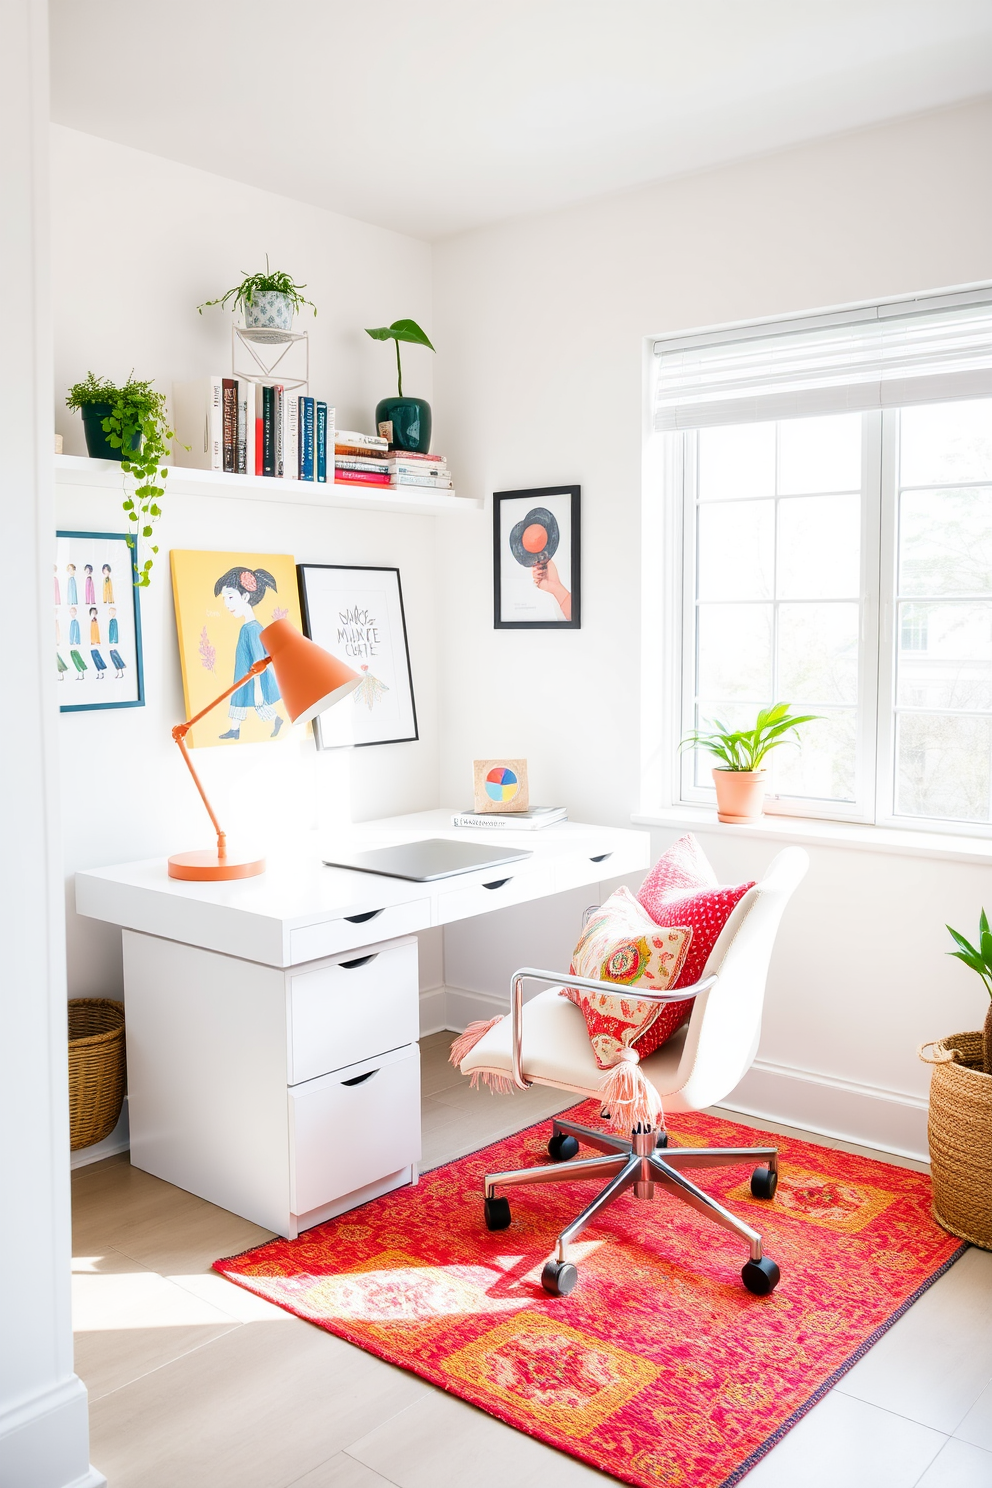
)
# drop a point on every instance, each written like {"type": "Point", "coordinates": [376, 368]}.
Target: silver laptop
{"type": "Point", "coordinates": [435, 857]}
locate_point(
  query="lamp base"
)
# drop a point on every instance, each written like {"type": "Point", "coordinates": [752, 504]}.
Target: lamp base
{"type": "Point", "coordinates": [205, 866]}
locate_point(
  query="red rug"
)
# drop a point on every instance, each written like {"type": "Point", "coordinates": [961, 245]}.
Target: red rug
{"type": "Point", "coordinates": [659, 1368]}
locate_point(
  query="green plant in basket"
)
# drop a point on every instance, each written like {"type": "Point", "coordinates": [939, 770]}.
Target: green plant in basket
{"type": "Point", "coordinates": [135, 423]}
{"type": "Point", "coordinates": [745, 749]}
{"type": "Point", "coordinates": [979, 958]}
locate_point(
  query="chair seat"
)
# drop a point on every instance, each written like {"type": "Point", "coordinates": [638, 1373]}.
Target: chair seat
{"type": "Point", "coordinates": [557, 1051]}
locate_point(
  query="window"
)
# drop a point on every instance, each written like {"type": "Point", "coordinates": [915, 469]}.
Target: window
{"type": "Point", "coordinates": [840, 559]}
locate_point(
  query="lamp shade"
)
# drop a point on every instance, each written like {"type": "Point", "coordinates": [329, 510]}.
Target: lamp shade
{"type": "Point", "coordinates": [310, 678]}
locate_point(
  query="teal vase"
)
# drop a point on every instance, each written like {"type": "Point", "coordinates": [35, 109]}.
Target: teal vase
{"type": "Point", "coordinates": [411, 421]}
{"type": "Point", "coordinates": [98, 445]}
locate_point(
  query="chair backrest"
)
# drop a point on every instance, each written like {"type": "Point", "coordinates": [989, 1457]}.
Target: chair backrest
{"type": "Point", "coordinates": [722, 1038]}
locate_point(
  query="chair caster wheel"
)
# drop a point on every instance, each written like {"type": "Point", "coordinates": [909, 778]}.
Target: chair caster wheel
{"type": "Point", "coordinates": [559, 1278]}
{"type": "Point", "coordinates": [562, 1147]}
{"type": "Point", "coordinates": [763, 1183]}
{"type": "Point", "coordinates": [497, 1214]}
{"type": "Point", "coordinates": [761, 1277]}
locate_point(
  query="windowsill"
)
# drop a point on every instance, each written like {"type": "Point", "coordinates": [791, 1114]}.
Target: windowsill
{"type": "Point", "coordinates": [857, 836]}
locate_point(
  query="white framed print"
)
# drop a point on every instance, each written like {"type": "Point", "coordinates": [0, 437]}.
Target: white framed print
{"type": "Point", "coordinates": [97, 622]}
{"type": "Point", "coordinates": [536, 568]}
{"type": "Point", "coordinates": [356, 613]}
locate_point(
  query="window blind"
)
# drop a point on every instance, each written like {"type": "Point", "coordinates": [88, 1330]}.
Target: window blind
{"type": "Point", "coordinates": [883, 356]}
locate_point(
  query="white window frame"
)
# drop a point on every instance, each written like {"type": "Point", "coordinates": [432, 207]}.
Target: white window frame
{"type": "Point", "coordinates": [671, 463]}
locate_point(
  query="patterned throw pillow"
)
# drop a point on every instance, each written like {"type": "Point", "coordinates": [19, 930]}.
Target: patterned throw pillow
{"type": "Point", "coordinates": [682, 889]}
{"type": "Point", "coordinates": [622, 944]}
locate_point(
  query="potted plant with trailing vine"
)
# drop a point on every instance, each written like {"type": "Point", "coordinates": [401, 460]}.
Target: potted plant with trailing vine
{"type": "Point", "coordinates": [959, 1126]}
{"type": "Point", "coordinates": [740, 780]}
{"type": "Point", "coordinates": [129, 424]}
{"type": "Point", "coordinates": [267, 301]}
{"type": "Point", "coordinates": [404, 421]}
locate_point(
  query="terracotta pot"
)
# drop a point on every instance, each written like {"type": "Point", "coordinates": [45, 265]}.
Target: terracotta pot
{"type": "Point", "coordinates": [740, 794]}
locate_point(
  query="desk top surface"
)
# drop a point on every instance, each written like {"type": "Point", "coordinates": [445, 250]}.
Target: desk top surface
{"type": "Point", "coordinates": [297, 889]}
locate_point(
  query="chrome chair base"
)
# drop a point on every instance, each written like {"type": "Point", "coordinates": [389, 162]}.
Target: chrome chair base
{"type": "Point", "coordinates": [643, 1164]}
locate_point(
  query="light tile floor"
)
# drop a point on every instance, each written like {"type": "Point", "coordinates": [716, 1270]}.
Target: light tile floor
{"type": "Point", "coordinates": [192, 1381]}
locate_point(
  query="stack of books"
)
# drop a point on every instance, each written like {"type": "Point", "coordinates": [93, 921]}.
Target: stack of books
{"type": "Point", "coordinates": [406, 469]}
{"type": "Point", "coordinates": [361, 459]}
{"type": "Point", "coordinates": [248, 428]}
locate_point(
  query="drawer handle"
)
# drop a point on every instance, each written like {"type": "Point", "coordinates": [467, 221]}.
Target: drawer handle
{"type": "Point", "coordinates": [369, 914]}
{"type": "Point", "coordinates": [601, 857]}
{"type": "Point", "coordinates": [358, 961]}
{"type": "Point", "coordinates": [497, 883]}
{"type": "Point", "coordinates": [360, 1079]}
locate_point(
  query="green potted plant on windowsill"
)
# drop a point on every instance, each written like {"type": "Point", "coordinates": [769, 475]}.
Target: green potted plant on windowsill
{"type": "Point", "coordinates": [268, 300]}
{"type": "Point", "coordinates": [404, 421]}
{"type": "Point", "coordinates": [740, 780]}
{"type": "Point", "coordinates": [129, 424]}
{"type": "Point", "coordinates": [959, 1125]}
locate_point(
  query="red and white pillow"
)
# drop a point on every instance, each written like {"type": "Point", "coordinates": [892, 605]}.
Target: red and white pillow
{"type": "Point", "coordinates": [622, 944]}
{"type": "Point", "coordinates": [682, 890]}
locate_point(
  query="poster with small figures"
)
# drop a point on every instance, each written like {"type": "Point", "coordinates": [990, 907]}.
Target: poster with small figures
{"type": "Point", "coordinates": [96, 623]}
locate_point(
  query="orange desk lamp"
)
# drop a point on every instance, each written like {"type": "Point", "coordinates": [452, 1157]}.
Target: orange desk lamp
{"type": "Point", "coordinates": [310, 680]}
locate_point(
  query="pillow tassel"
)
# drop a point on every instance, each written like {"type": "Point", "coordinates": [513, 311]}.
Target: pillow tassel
{"type": "Point", "coordinates": [629, 1096]}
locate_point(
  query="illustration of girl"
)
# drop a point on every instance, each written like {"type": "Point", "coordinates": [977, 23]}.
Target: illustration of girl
{"type": "Point", "coordinates": [58, 591]}
{"type": "Point", "coordinates": [71, 596]}
{"type": "Point", "coordinates": [90, 595]}
{"type": "Point", "coordinates": [241, 590]}
{"type": "Point", "coordinates": [113, 637]}
{"type": "Point", "coordinates": [78, 663]}
{"type": "Point", "coordinates": [61, 666]}
{"type": "Point", "coordinates": [74, 636]}
{"type": "Point", "coordinates": [108, 585]}
{"type": "Point", "coordinates": [98, 661]}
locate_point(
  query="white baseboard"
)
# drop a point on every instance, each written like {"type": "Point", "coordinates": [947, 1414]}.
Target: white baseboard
{"type": "Point", "coordinates": [43, 1440]}
{"type": "Point", "coordinates": [870, 1115]}
{"type": "Point", "coordinates": [432, 1011]}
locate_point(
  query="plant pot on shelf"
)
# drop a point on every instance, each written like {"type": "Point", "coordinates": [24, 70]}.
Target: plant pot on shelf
{"type": "Point", "coordinates": [740, 794]}
{"type": "Point", "coordinates": [410, 419]}
{"type": "Point", "coordinates": [98, 445]}
{"type": "Point", "coordinates": [959, 1131]}
{"type": "Point", "coordinates": [268, 308]}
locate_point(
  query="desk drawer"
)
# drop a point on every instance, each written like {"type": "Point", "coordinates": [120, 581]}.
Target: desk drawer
{"type": "Point", "coordinates": [506, 886]}
{"type": "Point", "coordinates": [353, 1127]}
{"type": "Point", "coordinates": [310, 942]}
{"type": "Point", "coordinates": [353, 1010]}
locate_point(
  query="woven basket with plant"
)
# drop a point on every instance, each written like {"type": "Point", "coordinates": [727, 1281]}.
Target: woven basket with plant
{"type": "Point", "coordinates": [960, 1121]}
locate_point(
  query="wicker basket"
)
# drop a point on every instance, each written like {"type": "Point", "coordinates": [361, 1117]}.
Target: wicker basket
{"type": "Point", "coordinates": [96, 1068]}
{"type": "Point", "coordinates": [960, 1133]}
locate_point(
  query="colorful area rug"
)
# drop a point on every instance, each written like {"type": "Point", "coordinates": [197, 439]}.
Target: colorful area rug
{"type": "Point", "coordinates": [659, 1368]}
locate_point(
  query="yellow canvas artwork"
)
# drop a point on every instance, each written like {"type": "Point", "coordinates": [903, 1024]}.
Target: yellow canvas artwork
{"type": "Point", "coordinates": [223, 603]}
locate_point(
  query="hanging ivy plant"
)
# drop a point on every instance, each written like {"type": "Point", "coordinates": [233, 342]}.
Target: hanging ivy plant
{"type": "Point", "coordinates": [138, 425]}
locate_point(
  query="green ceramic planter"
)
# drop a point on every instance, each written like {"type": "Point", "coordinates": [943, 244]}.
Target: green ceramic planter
{"type": "Point", "coordinates": [98, 445]}
{"type": "Point", "coordinates": [411, 421]}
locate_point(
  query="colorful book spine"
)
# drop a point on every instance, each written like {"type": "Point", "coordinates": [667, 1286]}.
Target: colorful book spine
{"type": "Point", "coordinates": [268, 430]}
{"type": "Point", "coordinates": [230, 425]}
{"type": "Point", "coordinates": [306, 417]}
{"type": "Point", "coordinates": [291, 437]}
{"type": "Point", "coordinates": [245, 462]}
{"type": "Point", "coordinates": [279, 427]}
{"type": "Point", "coordinates": [361, 478]}
{"type": "Point", "coordinates": [356, 462]}
{"type": "Point", "coordinates": [420, 482]}
{"type": "Point", "coordinates": [320, 441]}
{"type": "Point", "coordinates": [363, 441]}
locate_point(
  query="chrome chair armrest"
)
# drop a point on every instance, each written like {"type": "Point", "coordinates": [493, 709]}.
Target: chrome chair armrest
{"type": "Point", "coordinates": [591, 984]}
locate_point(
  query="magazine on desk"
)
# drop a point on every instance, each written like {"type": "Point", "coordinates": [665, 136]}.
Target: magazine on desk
{"type": "Point", "coordinates": [522, 821]}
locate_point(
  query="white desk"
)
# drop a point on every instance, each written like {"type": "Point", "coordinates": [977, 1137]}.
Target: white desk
{"type": "Point", "coordinates": [272, 1022]}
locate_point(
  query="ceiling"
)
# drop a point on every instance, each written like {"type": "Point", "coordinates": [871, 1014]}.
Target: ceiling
{"type": "Point", "coordinates": [435, 116]}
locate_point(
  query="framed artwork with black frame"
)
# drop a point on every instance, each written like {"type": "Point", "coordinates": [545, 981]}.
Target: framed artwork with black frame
{"type": "Point", "coordinates": [97, 622]}
{"type": "Point", "coordinates": [536, 559]}
{"type": "Point", "coordinates": [357, 614]}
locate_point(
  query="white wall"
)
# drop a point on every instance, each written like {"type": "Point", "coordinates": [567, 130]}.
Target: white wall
{"type": "Point", "coordinates": [43, 1426]}
{"type": "Point", "coordinates": [542, 324]}
{"type": "Point", "coordinates": [126, 287]}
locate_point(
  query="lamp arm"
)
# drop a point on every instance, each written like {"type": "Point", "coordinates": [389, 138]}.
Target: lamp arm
{"type": "Point", "coordinates": [182, 729]}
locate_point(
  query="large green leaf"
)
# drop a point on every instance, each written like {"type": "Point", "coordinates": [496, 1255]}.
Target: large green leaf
{"type": "Point", "coordinates": [400, 330]}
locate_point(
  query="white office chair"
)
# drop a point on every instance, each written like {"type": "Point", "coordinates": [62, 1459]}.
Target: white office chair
{"type": "Point", "coordinates": [546, 1043]}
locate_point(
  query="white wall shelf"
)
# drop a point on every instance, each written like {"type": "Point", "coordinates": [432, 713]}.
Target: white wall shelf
{"type": "Point", "coordinates": [79, 470]}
